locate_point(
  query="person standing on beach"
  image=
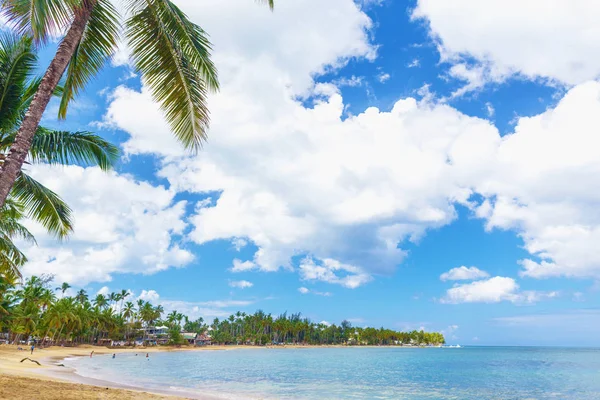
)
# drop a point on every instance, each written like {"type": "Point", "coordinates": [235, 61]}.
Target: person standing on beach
{"type": "Point", "coordinates": [92, 353]}
{"type": "Point", "coordinates": [32, 348]}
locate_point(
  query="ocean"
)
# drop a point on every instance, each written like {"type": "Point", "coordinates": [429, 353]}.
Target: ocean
{"type": "Point", "coordinates": [361, 373]}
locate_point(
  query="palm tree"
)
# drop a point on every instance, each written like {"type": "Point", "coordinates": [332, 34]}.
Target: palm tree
{"type": "Point", "coordinates": [82, 296]}
{"type": "Point", "coordinates": [63, 288]}
{"type": "Point", "coordinates": [123, 295]}
{"type": "Point", "coordinates": [100, 301]}
{"type": "Point", "coordinates": [171, 53]}
{"type": "Point", "coordinates": [17, 89]}
{"type": "Point", "coordinates": [113, 298]}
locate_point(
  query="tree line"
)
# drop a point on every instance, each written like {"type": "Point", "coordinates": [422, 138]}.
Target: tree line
{"type": "Point", "coordinates": [36, 310]}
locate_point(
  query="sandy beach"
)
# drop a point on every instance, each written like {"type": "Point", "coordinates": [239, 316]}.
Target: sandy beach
{"type": "Point", "coordinates": [27, 380]}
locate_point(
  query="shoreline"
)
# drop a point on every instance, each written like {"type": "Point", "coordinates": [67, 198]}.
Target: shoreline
{"type": "Point", "coordinates": [16, 375]}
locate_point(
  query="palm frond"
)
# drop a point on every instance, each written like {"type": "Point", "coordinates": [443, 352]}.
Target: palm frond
{"type": "Point", "coordinates": [10, 215]}
{"type": "Point", "coordinates": [17, 63]}
{"type": "Point", "coordinates": [42, 19]}
{"type": "Point", "coordinates": [11, 258]}
{"type": "Point", "coordinates": [270, 3]}
{"type": "Point", "coordinates": [43, 205]}
{"type": "Point", "coordinates": [173, 56]}
{"type": "Point", "coordinates": [97, 45]}
{"type": "Point", "coordinates": [83, 148]}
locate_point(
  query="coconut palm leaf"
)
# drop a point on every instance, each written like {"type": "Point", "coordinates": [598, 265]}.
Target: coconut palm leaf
{"type": "Point", "coordinates": [173, 56]}
{"type": "Point", "coordinates": [270, 3]}
{"type": "Point", "coordinates": [97, 45]}
{"type": "Point", "coordinates": [11, 258]}
{"type": "Point", "coordinates": [83, 148]}
{"type": "Point", "coordinates": [10, 215]}
{"type": "Point", "coordinates": [43, 205]}
{"type": "Point", "coordinates": [17, 62]}
{"type": "Point", "coordinates": [41, 19]}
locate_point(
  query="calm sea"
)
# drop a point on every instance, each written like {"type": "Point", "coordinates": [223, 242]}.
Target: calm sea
{"type": "Point", "coordinates": [362, 373]}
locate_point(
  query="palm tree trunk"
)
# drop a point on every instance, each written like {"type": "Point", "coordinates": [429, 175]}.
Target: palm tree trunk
{"type": "Point", "coordinates": [10, 169]}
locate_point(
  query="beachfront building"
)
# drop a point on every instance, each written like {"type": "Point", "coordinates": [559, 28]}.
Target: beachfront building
{"type": "Point", "coordinates": [190, 337]}
{"type": "Point", "coordinates": [155, 334]}
{"type": "Point", "coordinates": [203, 340]}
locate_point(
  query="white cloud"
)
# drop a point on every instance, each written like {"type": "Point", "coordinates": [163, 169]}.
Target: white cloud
{"type": "Point", "coordinates": [555, 40]}
{"type": "Point", "coordinates": [489, 108]}
{"type": "Point", "coordinates": [104, 290]}
{"type": "Point", "coordinates": [332, 271]}
{"type": "Point", "coordinates": [493, 290]}
{"type": "Point", "coordinates": [464, 273]}
{"type": "Point", "coordinates": [541, 184]}
{"type": "Point", "coordinates": [296, 180]}
{"type": "Point", "coordinates": [305, 290]}
{"type": "Point", "coordinates": [414, 63]}
{"type": "Point", "coordinates": [121, 225]}
{"type": "Point", "coordinates": [150, 296]}
{"type": "Point", "coordinates": [352, 81]}
{"type": "Point", "coordinates": [304, 180]}
{"type": "Point", "coordinates": [241, 284]}
{"type": "Point", "coordinates": [383, 77]}
{"type": "Point", "coordinates": [242, 266]}
{"type": "Point", "coordinates": [239, 243]}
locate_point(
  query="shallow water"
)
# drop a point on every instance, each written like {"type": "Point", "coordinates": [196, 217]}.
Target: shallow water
{"type": "Point", "coordinates": [362, 373]}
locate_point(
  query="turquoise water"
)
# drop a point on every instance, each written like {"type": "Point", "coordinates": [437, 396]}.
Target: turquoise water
{"type": "Point", "coordinates": [363, 373]}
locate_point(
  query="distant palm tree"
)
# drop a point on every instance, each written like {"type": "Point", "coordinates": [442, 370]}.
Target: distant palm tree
{"type": "Point", "coordinates": [81, 296]}
{"type": "Point", "coordinates": [123, 295]}
{"type": "Point", "coordinates": [113, 298]}
{"type": "Point", "coordinates": [171, 53]}
{"type": "Point", "coordinates": [100, 301]}
{"type": "Point", "coordinates": [128, 310]}
{"type": "Point", "coordinates": [63, 288]}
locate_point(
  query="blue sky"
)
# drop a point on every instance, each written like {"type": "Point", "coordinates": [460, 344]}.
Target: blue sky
{"type": "Point", "coordinates": [356, 155]}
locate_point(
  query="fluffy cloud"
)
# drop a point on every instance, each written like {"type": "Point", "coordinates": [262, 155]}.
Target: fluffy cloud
{"type": "Point", "coordinates": [150, 296]}
{"type": "Point", "coordinates": [241, 284]}
{"type": "Point", "coordinates": [297, 180]}
{"type": "Point", "coordinates": [305, 290]}
{"type": "Point", "coordinates": [332, 271]}
{"type": "Point", "coordinates": [121, 225]}
{"type": "Point", "coordinates": [541, 186]}
{"type": "Point", "coordinates": [294, 179]}
{"type": "Point", "coordinates": [314, 183]}
{"type": "Point", "coordinates": [493, 290]}
{"type": "Point", "coordinates": [492, 40]}
{"type": "Point", "coordinates": [242, 266]}
{"type": "Point", "coordinates": [464, 274]}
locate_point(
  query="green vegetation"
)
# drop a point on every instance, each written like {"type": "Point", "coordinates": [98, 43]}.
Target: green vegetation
{"type": "Point", "coordinates": [37, 310]}
{"type": "Point", "coordinates": [260, 328]}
